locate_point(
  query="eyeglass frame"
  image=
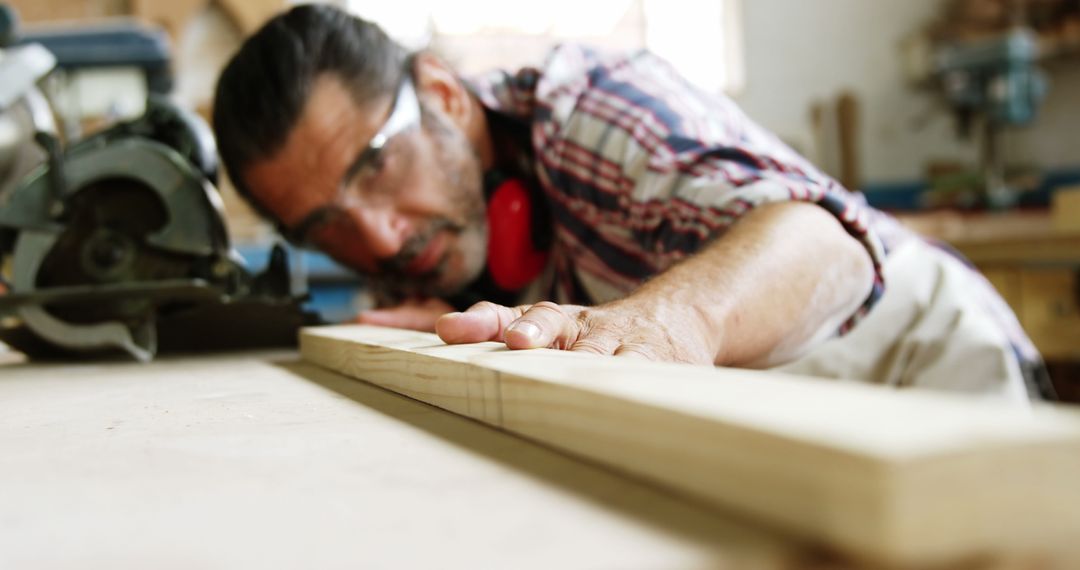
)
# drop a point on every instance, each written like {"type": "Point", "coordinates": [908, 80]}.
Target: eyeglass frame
{"type": "Point", "coordinates": [404, 114]}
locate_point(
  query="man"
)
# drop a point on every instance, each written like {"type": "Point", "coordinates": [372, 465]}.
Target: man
{"type": "Point", "coordinates": [638, 215]}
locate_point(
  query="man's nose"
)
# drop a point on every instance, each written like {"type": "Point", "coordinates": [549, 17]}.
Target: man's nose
{"type": "Point", "coordinates": [384, 230]}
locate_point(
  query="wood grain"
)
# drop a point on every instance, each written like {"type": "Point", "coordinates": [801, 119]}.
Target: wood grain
{"type": "Point", "coordinates": [898, 477]}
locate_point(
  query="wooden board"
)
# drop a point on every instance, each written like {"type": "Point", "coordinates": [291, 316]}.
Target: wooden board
{"type": "Point", "coordinates": [899, 477]}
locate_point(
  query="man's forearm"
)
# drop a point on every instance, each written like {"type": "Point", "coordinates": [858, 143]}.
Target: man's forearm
{"type": "Point", "coordinates": [781, 279]}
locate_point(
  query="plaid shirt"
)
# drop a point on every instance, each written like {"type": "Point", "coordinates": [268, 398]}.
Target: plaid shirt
{"type": "Point", "coordinates": [643, 169]}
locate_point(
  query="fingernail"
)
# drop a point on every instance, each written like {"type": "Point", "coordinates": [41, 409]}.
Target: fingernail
{"type": "Point", "coordinates": [529, 330]}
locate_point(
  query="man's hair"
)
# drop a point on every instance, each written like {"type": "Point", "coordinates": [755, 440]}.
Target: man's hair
{"type": "Point", "coordinates": [262, 91]}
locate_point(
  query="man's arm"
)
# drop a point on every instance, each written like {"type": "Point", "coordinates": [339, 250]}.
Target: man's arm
{"type": "Point", "coordinates": [781, 279]}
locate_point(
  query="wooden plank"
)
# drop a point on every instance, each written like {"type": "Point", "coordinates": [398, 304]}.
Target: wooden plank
{"type": "Point", "coordinates": [899, 477]}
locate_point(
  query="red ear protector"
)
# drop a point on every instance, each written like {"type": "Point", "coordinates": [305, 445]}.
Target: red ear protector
{"type": "Point", "coordinates": [513, 260]}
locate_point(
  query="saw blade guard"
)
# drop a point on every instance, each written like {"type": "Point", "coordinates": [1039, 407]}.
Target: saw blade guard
{"type": "Point", "coordinates": [105, 234]}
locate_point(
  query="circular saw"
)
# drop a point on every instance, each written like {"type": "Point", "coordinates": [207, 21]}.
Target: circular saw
{"type": "Point", "coordinates": [119, 241]}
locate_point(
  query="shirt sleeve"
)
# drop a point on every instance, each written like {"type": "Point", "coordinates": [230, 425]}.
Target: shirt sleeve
{"type": "Point", "coordinates": [506, 92]}
{"type": "Point", "coordinates": [651, 169]}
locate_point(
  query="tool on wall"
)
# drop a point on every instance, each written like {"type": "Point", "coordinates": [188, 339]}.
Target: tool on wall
{"type": "Point", "coordinates": [996, 80]}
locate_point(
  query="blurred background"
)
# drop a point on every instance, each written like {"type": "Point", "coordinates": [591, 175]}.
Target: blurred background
{"type": "Point", "coordinates": [962, 117]}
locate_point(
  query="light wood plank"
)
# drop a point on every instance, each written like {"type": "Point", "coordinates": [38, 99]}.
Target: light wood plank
{"type": "Point", "coordinates": [899, 477]}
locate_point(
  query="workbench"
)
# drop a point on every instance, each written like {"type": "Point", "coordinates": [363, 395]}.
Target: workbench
{"type": "Point", "coordinates": [261, 460]}
{"type": "Point", "coordinates": [258, 460]}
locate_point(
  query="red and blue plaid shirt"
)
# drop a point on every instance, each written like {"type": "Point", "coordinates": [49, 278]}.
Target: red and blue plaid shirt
{"type": "Point", "coordinates": [641, 169]}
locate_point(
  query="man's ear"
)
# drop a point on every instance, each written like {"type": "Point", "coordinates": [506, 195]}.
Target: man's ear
{"type": "Point", "coordinates": [438, 85]}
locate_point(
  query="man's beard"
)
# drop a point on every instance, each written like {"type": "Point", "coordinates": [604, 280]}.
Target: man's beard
{"type": "Point", "coordinates": [460, 168]}
{"type": "Point", "coordinates": [393, 284]}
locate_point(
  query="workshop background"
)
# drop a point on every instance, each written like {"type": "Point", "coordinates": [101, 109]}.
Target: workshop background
{"type": "Point", "coordinates": [960, 116]}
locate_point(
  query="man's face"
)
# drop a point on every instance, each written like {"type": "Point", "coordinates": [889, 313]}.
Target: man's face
{"type": "Point", "coordinates": [411, 216]}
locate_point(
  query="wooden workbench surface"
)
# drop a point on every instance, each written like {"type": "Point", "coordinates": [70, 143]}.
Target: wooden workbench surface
{"type": "Point", "coordinates": [994, 239]}
{"type": "Point", "coordinates": [259, 461]}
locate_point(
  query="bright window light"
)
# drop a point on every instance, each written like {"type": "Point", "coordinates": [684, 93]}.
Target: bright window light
{"type": "Point", "coordinates": [702, 38]}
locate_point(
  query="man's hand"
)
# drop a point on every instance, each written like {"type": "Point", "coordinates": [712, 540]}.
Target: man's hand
{"type": "Point", "coordinates": [415, 314]}
{"type": "Point", "coordinates": [774, 285]}
{"type": "Point", "coordinates": [630, 327]}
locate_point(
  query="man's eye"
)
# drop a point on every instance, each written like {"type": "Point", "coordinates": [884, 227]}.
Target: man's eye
{"type": "Point", "coordinates": [372, 168]}
{"type": "Point", "coordinates": [378, 163]}
{"type": "Point", "coordinates": [375, 165]}
{"type": "Point", "coordinates": [382, 169]}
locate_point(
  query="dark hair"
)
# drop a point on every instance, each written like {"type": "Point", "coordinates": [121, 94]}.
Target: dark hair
{"type": "Point", "coordinates": [263, 89]}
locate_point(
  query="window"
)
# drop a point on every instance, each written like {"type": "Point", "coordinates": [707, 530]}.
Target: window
{"type": "Point", "coordinates": [701, 38]}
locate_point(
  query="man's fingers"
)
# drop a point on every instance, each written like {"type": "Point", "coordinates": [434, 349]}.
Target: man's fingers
{"type": "Point", "coordinates": [566, 327]}
{"type": "Point", "coordinates": [543, 325]}
{"type": "Point", "coordinates": [482, 322]}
